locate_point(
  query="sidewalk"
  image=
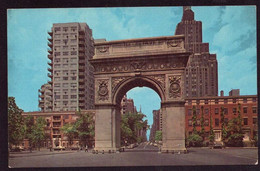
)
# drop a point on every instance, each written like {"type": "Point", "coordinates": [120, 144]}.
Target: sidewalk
{"type": "Point", "coordinates": [37, 153]}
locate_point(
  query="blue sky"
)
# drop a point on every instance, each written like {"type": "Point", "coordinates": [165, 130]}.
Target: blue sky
{"type": "Point", "coordinates": [230, 31]}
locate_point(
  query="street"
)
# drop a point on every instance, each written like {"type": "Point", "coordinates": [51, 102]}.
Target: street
{"type": "Point", "coordinates": [143, 155]}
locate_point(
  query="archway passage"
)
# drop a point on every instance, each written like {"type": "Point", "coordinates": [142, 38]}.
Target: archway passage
{"type": "Point", "coordinates": [157, 63]}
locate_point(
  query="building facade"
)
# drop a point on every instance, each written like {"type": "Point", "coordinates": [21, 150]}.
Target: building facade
{"type": "Point", "coordinates": [72, 82]}
{"type": "Point", "coordinates": [127, 106]}
{"type": "Point", "coordinates": [212, 108]}
{"type": "Point", "coordinates": [201, 73]}
{"type": "Point", "coordinates": [55, 121]}
{"type": "Point", "coordinates": [45, 97]}
{"type": "Point", "coordinates": [157, 124]}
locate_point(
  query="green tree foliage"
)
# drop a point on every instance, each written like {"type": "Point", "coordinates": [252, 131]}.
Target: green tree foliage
{"type": "Point", "coordinates": [234, 131]}
{"type": "Point", "coordinates": [85, 128]}
{"type": "Point", "coordinates": [130, 124]}
{"type": "Point", "coordinates": [202, 122]}
{"type": "Point", "coordinates": [194, 120]}
{"type": "Point", "coordinates": [195, 140]}
{"type": "Point", "coordinates": [211, 132]}
{"type": "Point", "coordinates": [16, 129]}
{"type": "Point", "coordinates": [70, 131]}
{"type": "Point", "coordinates": [223, 125]}
{"type": "Point", "coordinates": [38, 133]}
{"type": "Point", "coordinates": [28, 124]}
{"type": "Point", "coordinates": [158, 136]}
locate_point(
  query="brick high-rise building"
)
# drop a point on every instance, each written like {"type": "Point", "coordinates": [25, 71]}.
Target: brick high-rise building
{"type": "Point", "coordinates": [72, 81]}
{"type": "Point", "coordinates": [201, 74]}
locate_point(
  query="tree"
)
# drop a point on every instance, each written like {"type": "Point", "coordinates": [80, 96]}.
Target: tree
{"type": "Point", "coordinates": [211, 132]}
{"type": "Point", "coordinates": [29, 123]}
{"type": "Point", "coordinates": [85, 128]}
{"type": "Point", "coordinates": [158, 136]}
{"type": "Point", "coordinates": [38, 132]}
{"type": "Point", "coordinates": [194, 120]}
{"type": "Point", "coordinates": [223, 125]}
{"type": "Point", "coordinates": [16, 129]}
{"type": "Point", "coordinates": [234, 131]}
{"type": "Point", "coordinates": [131, 123]}
{"type": "Point", "coordinates": [202, 122]}
{"type": "Point", "coordinates": [70, 131]}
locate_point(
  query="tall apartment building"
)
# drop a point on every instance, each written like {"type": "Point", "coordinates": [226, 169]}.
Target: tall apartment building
{"type": "Point", "coordinates": [127, 105]}
{"type": "Point", "coordinates": [72, 82]}
{"type": "Point", "coordinates": [45, 94]}
{"type": "Point", "coordinates": [201, 74]}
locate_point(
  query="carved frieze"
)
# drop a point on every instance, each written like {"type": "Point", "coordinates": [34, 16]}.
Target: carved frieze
{"type": "Point", "coordinates": [174, 86]}
{"type": "Point", "coordinates": [102, 49]}
{"type": "Point", "coordinates": [116, 81]}
{"type": "Point", "coordinates": [174, 43]}
{"type": "Point", "coordinates": [103, 90]}
{"type": "Point", "coordinates": [159, 79]}
{"type": "Point", "coordinates": [140, 65]}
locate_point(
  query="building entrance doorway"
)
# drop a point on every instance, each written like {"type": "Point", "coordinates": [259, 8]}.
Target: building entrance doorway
{"type": "Point", "coordinates": [157, 63]}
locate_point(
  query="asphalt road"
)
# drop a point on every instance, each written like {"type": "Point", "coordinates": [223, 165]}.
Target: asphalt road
{"type": "Point", "coordinates": [143, 155]}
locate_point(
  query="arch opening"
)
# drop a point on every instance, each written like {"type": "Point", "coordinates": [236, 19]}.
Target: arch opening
{"type": "Point", "coordinates": [131, 83]}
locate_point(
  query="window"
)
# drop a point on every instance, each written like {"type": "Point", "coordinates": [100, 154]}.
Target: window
{"type": "Point", "coordinates": [73, 78]}
{"type": "Point", "coordinates": [225, 101]}
{"type": "Point", "coordinates": [57, 41]}
{"type": "Point", "coordinates": [65, 116]}
{"type": "Point", "coordinates": [197, 102]}
{"type": "Point", "coordinates": [198, 122]}
{"type": "Point", "coordinates": [65, 47]}
{"type": "Point", "coordinates": [244, 100]}
{"type": "Point", "coordinates": [57, 97]}
{"type": "Point", "coordinates": [65, 29]}
{"type": "Point", "coordinates": [65, 96]}
{"type": "Point", "coordinates": [57, 53]}
{"type": "Point", "coordinates": [73, 53]}
{"type": "Point", "coordinates": [56, 78]}
{"type": "Point", "coordinates": [245, 120]}
{"type": "Point", "coordinates": [244, 109]}
{"type": "Point", "coordinates": [216, 111]}
{"type": "Point", "coordinates": [57, 85]}
{"type": "Point", "coordinates": [73, 96]}
{"type": "Point", "coordinates": [254, 109]}
{"type": "Point", "coordinates": [190, 122]}
{"type": "Point", "coordinates": [65, 84]}
{"type": "Point", "coordinates": [65, 53]}
{"type": "Point", "coordinates": [234, 100]}
{"type": "Point", "coordinates": [254, 99]}
{"type": "Point", "coordinates": [189, 112]}
{"type": "Point", "coordinates": [73, 90]}
{"type": "Point", "coordinates": [197, 111]}
{"type": "Point", "coordinates": [73, 85]}
{"type": "Point", "coordinates": [206, 122]}
{"type": "Point", "coordinates": [216, 101]}
{"type": "Point", "coordinates": [255, 121]}
{"type": "Point", "coordinates": [73, 65]}
{"type": "Point", "coordinates": [216, 122]}
{"type": "Point", "coordinates": [189, 102]}
{"type": "Point", "coordinates": [65, 78]}
{"type": "Point", "coordinates": [226, 120]}
{"type": "Point", "coordinates": [206, 111]}
{"type": "Point", "coordinates": [65, 65]}
{"type": "Point", "coordinates": [225, 111]}
{"type": "Point", "coordinates": [206, 101]}
{"type": "Point", "coordinates": [234, 110]}
{"type": "Point", "coordinates": [56, 29]}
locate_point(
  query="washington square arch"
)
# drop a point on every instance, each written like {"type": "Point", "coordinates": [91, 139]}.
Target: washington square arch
{"type": "Point", "coordinates": [157, 63]}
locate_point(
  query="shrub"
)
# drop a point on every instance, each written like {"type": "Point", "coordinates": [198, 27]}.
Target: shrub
{"type": "Point", "coordinates": [195, 140]}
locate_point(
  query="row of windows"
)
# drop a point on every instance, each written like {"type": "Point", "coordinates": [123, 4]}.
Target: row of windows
{"type": "Point", "coordinates": [216, 101]}
{"type": "Point", "coordinates": [217, 122]}
{"type": "Point", "coordinates": [217, 111]}
{"type": "Point", "coordinates": [65, 96]}
{"type": "Point", "coordinates": [73, 85]}
{"type": "Point", "coordinates": [66, 53]}
{"type": "Point", "coordinates": [65, 35]}
{"type": "Point", "coordinates": [64, 78]}
{"type": "Point", "coordinates": [65, 29]}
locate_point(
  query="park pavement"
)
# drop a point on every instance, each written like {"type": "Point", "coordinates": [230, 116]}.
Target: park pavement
{"type": "Point", "coordinates": [144, 155]}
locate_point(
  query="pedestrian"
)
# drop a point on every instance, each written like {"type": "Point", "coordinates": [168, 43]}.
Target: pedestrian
{"type": "Point", "coordinates": [86, 149]}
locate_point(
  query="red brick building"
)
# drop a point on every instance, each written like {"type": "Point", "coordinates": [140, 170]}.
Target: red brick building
{"type": "Point", "coordinates": [212, 107]}
{"type": "Point", "coordinates": [55, 121]}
